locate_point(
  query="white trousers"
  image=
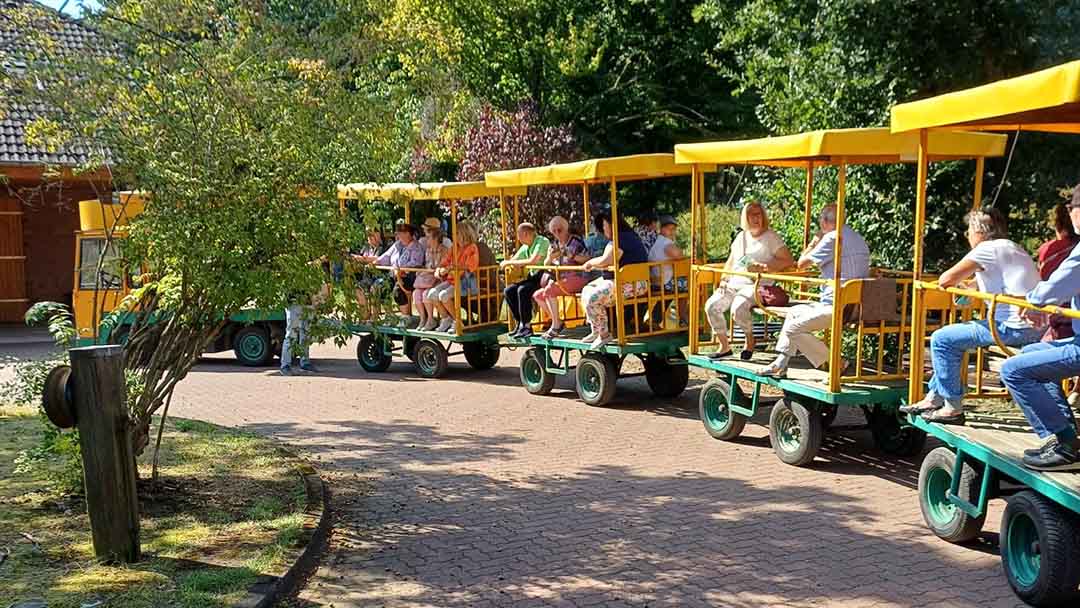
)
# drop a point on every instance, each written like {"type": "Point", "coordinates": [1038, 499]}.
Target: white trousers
{"type": "Point", "coordinates": [740, 300]}
{"type": "Point", "coordinates": [796, 336]}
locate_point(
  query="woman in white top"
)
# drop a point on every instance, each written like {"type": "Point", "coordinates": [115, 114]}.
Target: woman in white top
{"type": "Point", "coordinates": [1000, 266]}
{"type": "Point", "coordinates": [757, 248]}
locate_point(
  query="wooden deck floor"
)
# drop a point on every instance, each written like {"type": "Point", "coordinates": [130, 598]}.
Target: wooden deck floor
{"type": "Point", "coordinates": [802, 372]}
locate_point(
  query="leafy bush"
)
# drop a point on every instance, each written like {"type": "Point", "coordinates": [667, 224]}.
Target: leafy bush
{"type": "Point", "coordinates": [722, 223]}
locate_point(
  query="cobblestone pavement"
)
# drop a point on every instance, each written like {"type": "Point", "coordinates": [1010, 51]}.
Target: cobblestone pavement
{"type": "Point", "coordinates": [468, 491]}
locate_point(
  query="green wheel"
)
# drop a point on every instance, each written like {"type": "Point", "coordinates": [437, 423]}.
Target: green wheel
{"type": "Point", "coordinates": [720, 422]}
{"type": "Point", "coordinates": [943, 518]}
{"type": "Point", "coordinates": [252, 346]}
{"type": "Point", "coordinates": [408, 347]}
{"type": "Point", "coordinates": [481, 355]}
{"type": "Point", "coordinates": [595, 379]}
{"type": "Point", "coordinates": [1040, 550]}
{"type": "Point", "coordinates": [534, 375]}
{"type": "Point", "coordinates": [665, 378]}
{"type": "Point", "coordinates": [893, 435]}
{"type": "Point", "coordinates": [372, 354]}
{"type": "Point", "coordinates": [795, 431]}
{"type": "Point", "coordinates": [431, 359]}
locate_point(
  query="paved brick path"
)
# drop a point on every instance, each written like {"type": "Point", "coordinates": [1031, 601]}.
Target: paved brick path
{"type": "Point", "coordinates": [469, 492]}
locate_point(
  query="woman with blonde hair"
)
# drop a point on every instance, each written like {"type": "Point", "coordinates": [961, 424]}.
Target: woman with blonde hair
{"type": "Point", "coordinates": [757, 248]}
{"type": "Point", "coordinates": [468, 261]}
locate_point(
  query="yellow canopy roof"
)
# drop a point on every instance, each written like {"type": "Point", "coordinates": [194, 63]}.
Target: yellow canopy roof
{"type": "Point", "coordinates": [422, 192]}
{"type": "Point", "coordinates": [1048, 100]}
{"type": "Point", "coordinates": [621, 168]}
{"type": "Point", "coordinates": [855, 146]}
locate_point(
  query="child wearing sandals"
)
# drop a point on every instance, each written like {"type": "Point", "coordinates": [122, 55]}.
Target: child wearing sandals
{"type": "Point", "coordinates": [434, 253]}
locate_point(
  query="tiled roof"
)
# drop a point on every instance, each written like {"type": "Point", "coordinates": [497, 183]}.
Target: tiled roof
{"type": "Point", "coordinates": [70, 37]}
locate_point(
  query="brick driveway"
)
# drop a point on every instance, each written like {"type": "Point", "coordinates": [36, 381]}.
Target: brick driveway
{"type": "Point", "coordinates": [468, 491]}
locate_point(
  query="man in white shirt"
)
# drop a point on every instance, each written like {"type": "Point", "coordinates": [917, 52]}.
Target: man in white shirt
{"type": "Point", "coordinates": [797, 333]}
{"type": "Point", "coordinates": [1000, 266]}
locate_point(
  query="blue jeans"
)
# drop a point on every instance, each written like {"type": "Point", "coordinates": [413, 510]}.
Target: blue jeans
{"type": "Point", "coordinates": [1034, 378]}
{"type": "Point", "coordinates": [948, 345]}
{"type": "Point", "coordinates": [296, 327]}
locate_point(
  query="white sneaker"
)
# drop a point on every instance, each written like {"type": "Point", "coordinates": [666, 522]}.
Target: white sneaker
{"type": "Point", "coordinates": [599, 342]}
{"type": "Point", "coordinates": [444, 325]}
{"type": "Point", "coordinates": [591, 337]}
{"type": "Point", "coordinates": [453, 328]}
{"type": "Point", "coordinates": [431, 324]}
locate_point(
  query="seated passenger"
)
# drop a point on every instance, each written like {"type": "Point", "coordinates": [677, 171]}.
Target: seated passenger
{"type": "Point", "coordinates": [436, 251]}
{"type": "Point", "coordinates": [406, 252]}
{"type": "Point", "coordinates": [566, 250]}
{"type": "Point", "coordinates": [373, 248]}
{"type": "Point", "coordinates": [757, 248]}
{"type": "Point", "coordinates": [663, 277]}
{"type": "Point", "coordinates": [1000, 266]}
{"type": "Point", "coordinates": [519, 296]}
{"type": "Point", "coordinates": [1034, 375]}
{"type": "Point", "coordinates": [646, 229]}
{"type": "Point", "coordinates": [600, 293]}
{"type": "Point", "coordinates": [796, 335]}
{"type": "Point", "coordinates": [433, 223]}
{"type": "Point", "coordinates": [1051, 254]}
{"type": "Point", "coordinates": [468, 261]}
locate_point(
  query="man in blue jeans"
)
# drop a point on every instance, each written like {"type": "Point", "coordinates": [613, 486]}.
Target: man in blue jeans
{"type": "Point", "coordinates": [1034, 376]}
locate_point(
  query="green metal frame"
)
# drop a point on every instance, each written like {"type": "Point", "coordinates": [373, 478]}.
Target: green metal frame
{"type": "Point", "coordinates": [849, 396]}
{"type": "Point", "coordinates": [488, 335]}
{"type": "Point", "coordinates": [244, 317]}
{"type": "Point", "coordinates": [667, 345]}
{"type": "Point", "coordinates": [998, 467]}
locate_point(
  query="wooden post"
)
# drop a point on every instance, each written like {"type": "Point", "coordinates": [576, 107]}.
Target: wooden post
{"type": "Point", "coordinates": [108, 462]}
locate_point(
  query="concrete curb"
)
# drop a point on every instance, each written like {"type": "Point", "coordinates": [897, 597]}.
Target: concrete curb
{"type": "Point", "coordinates": [269, 590]}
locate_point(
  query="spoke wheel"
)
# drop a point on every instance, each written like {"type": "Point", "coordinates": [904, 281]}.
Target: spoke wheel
{"type": "Point", "coordinates": [666, 379]}
{"type": "Point", "coordinates": [534, 376]}
{"type": "Point", "coordinates": [252, 346]}
{"type": "Point", "coordinates": [893, 435]}
{"type": "Point", "coordinates": [596, 376]}
{"type": "Point", "coordinates": [481, 355]}
{"type": "Point", "coordinates": [796, 431]}
{"type": "Point", "coordinates": [713, 406]}
{"type": "Point", "coordinates": [1040, 550]}
{"type": "Point", "coordinates": [943, 518]}
{"type": "Point", "coordinates": [372, 355]}
{"type": "Point", "coordinates": [431, 359]}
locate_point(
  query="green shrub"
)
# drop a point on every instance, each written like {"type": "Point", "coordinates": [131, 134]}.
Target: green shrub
{"type": "Point", "coordinates": [722, 223]}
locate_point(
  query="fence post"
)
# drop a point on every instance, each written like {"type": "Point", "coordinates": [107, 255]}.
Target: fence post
{"type": "Point", "coordinates": [99, 398]}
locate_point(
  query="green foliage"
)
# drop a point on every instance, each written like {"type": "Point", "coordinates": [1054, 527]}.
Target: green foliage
{"type": "Point", "coordinates": [721, 224]}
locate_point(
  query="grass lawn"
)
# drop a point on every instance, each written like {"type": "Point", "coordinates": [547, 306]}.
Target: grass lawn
{"type": "Point", "coordinates": [230, 508]}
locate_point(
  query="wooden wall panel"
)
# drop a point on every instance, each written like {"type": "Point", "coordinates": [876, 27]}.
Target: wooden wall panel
{"type": "Point", "coordinates": [13, 300]}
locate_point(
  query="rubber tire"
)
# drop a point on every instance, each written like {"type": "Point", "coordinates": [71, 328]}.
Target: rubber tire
{"type": "Point", "coordinates": [666, 380]}
{"type": "Point", "coordinates": [606, 375]}
{"type": "Point", "coordinates": [253, 332]}
{"type": "Point", "coordinates": [724, 424]}
{"type": "Point", "coordinates": [891, 435]}
{"type": "Point", "coordinates": [532, 364]}
{"type": "Point", "coordinates": [481, 355]}
{"type": "Point", "coordinates": [431, 359]}
{"type": "Point", "coordinates": [372, 355]}
{"type": "Point", "coordinates": [408, 347]}
{"type": "Point", "coordinates": [828, 415]}
{"type": "Point", "coordinates": [1058, 536]}
{"type": "Point", "coordinates": [810, 426]}
{"type": "Point", "coordinates": [949, 522]}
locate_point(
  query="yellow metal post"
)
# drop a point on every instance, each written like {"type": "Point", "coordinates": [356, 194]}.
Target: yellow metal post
{"type": "Point", "coordinates": [980, 167]}
{"type": "Point", "coordinates": [408, 212]}
{"type": "Point", "coordinates": [502, 224]}
{"type": "Point", "coordinates": [454, 270]}
{"type": "Point", "coordinates": [808, 204]}
{"type": "Point", "coordinates": [619, 313]}
{"type": "Point", "coordinates": [918, 322]}
{"type": "Point", "coordinates": [517, 211]}
{"type": "Point", "coordinates": [585, 204]}
{"type": "Point", "coordinates": [836, 333]}
{"type": "Point", "coordinates": [693, 260]}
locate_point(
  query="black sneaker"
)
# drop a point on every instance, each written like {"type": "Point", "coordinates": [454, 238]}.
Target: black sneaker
{"type": "Point", "coordinates": [1050, 443]}
{"type": "Point", "coordinates": [1061, 457]}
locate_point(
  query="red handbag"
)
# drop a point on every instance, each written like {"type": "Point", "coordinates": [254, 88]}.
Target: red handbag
{"type": "Point", "coordinates": [773, 295]}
